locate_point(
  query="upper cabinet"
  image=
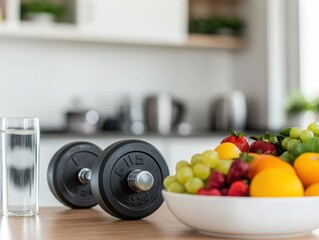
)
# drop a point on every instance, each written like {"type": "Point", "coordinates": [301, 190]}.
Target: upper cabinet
{"type": "Point", "coordinates": [179, 23]}
{"type": "Point", "coordinates": [215, 23]}
{"type": "Point", "coordinates": [157, 20]}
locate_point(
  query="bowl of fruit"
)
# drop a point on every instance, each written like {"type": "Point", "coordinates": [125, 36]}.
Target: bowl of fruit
{"type": "Point", "coordinates": [264, 188]}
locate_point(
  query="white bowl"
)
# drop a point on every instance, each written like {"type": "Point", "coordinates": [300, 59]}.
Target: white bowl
{"type": "Point", "coordinates": [245, 217]}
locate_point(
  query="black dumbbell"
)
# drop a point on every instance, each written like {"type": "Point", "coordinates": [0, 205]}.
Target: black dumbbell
{"type": "Point", "coordinates": [125, 179]}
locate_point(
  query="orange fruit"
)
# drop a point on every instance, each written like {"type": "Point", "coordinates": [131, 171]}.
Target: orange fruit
{"type": "Point", "coordinates": [312, 190]}
{"type": "Point", "coordinates": [276, 182]}
{"type": "Point", "coordinates": [264, 161]}
{"type": "Point", "coordinates": [227, 151]}
{"type": "Point", "coordinates": [307, 168]}
{"type": "Point", "coordinates": [254, 154]}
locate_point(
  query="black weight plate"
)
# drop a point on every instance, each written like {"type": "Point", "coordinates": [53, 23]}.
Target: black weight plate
{"type": "Point", "coordinates": [109, 179]}
{"type": "Point", "coordinates": [62, 174]}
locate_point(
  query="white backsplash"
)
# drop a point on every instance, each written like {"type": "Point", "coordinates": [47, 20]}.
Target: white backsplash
{"type": "Point", "coordinates": [41, 78]}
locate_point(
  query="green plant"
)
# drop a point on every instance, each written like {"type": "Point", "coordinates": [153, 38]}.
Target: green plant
{"type": "Point", "coordinates": [41, 6]}
{"type": "Point", "coordinates": [297, 103]}
{"type": "Point", "coordinates": [315, 104]}
{"type": "Point", "coordinates": [234, 23]}
{"type": "Point", "coordinates": [214, 24]}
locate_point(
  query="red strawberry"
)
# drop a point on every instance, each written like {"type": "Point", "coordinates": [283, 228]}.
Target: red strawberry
{"type": "Point", "coordinates": [202, 191]}
{"type": "Point", "coordinates": [209, 192]}
{"type": "Point", "coordinates": [238, 171]}
{"type": "Point", "coordinates": [238, 189]}
{"type": "Point", "coordinates": [238, 139]}
{"type": "Point", "coordinates": [263, 147]}
{"type": "Point", "coordinates": [215, 192]}
{"type": "Point", "coordinates": [266, 144]}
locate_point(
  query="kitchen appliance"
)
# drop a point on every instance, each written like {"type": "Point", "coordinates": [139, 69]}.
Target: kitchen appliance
{"type": "Point", "coordinates": [163, 113]}
{"type": "Point", "coordinates": [129, 118]}
{"type": "Point", "coordinates": [131, 115]}
{"type": "Point", "coordinates": [229, 111]}
{"type": "Point", "coordinates": [83, 121]}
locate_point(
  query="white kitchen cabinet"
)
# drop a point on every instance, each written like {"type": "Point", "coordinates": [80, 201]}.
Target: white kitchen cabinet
{"type": "Point", "coordinates": [173, 149]}
{"type": "Point", "coordinates": [12, 12]}
{"type": "Point", "coordinates": [163, 20]}
{"type": "Point", "coordinates": [157, 22]}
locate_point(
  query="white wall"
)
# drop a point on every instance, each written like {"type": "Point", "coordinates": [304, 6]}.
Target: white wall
{"type": "Point", "coordinates": [309, 49]}
{"type": "Point", "coordinates": [42, 77]}
{"type": "Point", "coordinates": [269, 66]}
{"type": "Point", "coordinates": [250, 64]}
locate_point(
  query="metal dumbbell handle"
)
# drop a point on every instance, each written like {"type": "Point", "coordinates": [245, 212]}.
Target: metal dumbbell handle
{"type": "Point", "coordinates": [138, 180]}
{"type": "Point", "coordinates": [84, 175]}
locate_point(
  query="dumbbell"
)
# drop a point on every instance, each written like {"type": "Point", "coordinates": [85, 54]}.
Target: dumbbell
{"type": "Point", "coordinates": [125, 179]}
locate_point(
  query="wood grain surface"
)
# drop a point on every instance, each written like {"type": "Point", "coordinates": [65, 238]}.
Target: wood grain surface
{"type": "Point", "coordinates": [60, 223]}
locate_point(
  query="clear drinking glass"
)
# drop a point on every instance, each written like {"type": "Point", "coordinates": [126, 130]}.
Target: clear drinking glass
{"type": "Point", "coordinates": [19, 166]}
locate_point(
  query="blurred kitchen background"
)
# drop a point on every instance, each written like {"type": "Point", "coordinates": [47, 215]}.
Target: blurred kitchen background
{"type": "Point", "coordinates": [176, 73]}
{"type": "Point", "coordinates": [160, 66]}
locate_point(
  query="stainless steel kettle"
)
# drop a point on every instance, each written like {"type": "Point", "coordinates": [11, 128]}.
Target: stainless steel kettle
{"type": "Point", "coordinates": [229, 111]}
{"type": "Point", "coordinates": [163, 113]}
{"type": "Point", "coordinates": [82, 121]}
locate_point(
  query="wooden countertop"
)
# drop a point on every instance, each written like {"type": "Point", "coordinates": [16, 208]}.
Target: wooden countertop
{"type": "Point", "coordinates": [60, 223]}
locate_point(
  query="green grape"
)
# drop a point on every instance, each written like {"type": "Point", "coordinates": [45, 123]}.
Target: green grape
{"type": "Point", "coordinates": [312, 145]}
{"type": "Point", "coordinates": [305, 135]}
{"type": "Point", "coordinates": [196, 159]}
{"type": "Point", "coordinates": [210, 158]}
{"type": "Point", "coordinates": [169, 180]}
{"type": "Point", "coordinates": [292, 144]}
{"type": "Point", "coordinates": [287, 157]}
{"type": "Point", "coordinates": [223, 166]}
{"type": "Point", "coordinates": [193, 184]}
{"type": "Point", "coordinates": [184, 173]}
{"type": "Point", "coordinates": [176, 187]}
{"type": "Point", "coordinates": [295, 132]}
{"type": "Point", "coordinates": [201, 171]}
{"type": "Point", "coordinates": [314, 127]}
{"type": "Point", "coordinates": [180, 164]}
{"type": "Point", "coordinates": [284, 142]}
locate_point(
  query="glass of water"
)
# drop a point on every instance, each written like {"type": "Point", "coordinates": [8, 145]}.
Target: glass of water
{"type": "Point", "coordinates": [19, 166]}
